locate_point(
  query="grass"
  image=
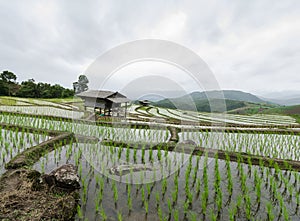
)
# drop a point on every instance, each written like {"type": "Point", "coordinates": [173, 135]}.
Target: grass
{"type": "Point", "coordinates": [293, 111]}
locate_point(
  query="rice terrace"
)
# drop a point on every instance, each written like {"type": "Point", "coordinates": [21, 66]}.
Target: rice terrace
{"type": "Point", "coordinates": [211, 166]}
{"type": "Point", "coordinates": [150, 110]}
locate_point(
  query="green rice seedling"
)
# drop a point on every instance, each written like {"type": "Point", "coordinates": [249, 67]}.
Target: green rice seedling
{"type": "Point", "coordinates": [205, 193]}
{"type": "Point", "coordinates": [3, 156]}
{"type": "Point", "coordinates": [80, 169]}
{"type": "Point", "coordinates": [146, 206]}
{"type": "Point", "coordinates": [97, 209]}
{"type": "Point", "coordinates": [151, 155]}
{"type": "Point", "coordinates": [157, 199]}
{"type": "Point", "coordinates": [186, 206]}
{"type": "Point", "coordinates": [128, 187]}
{"type": "Point", "coordinates": [213, 216]}
{"type": "Point", "coordinates": [198, 187]}
{"type": "Point", "coordinates": [120, 217]}
{"type": "Point", "coordinates": [134, 154]}
{"type": "Point", "coordinates": [143, 194]}
{"type": "Point", "coordinates": [176, 215]}
{"type": "Point", "coordinates": [247, 206]}
{"type": "Point", "coordinates": [258, 182]}
{"type": "Point", "coordinates": [232, 213]}
{"type": "Point", "coordinates": [103, 214]}
{"type": "Point", "coordinates": [164, 186]}
{"type": "Point", "coordinates": [249, 166]}
{"type": "Point", "coordinates": [270, 213]}
{"type": "Point", "coordinates": [174, 196]}
{"type": "Point", "coordinates": [79, 212]}
{"type": "Point", "coordinates": [239, 202]}
{"type": "Point", "coordinates": [158, 153]}
{"type": "Point", "coordinates": [115, 191]}
{"type": "Point", "coordinates": [143, 154]}
{"type": "Point", "coordinates": [217, 174]}
{"type": "Point", "coordinates": [84, 185]}
{"type": "Point", "coordinates": [159, 213]}
{"type": "Point", "coordinates": [99, 196]}
{"type": "Point", "coordinates": [229, 177]}
{"type": "Point", "coordinates": [194, 177]}
{"type": "Point", "coordinates": [285, 214]}
{"type": "Point", "coordinates": [169, 206]}
{"type": "Point", "coordinates": [189, 197]}
{"type": "Point", "coordinates": [127, 154]}
{"type": "Point", "coordinates": [290, 192]}
{"type": "Point", "coordinates": [129, 201]}
{"type": "Point", "coordinates": [243, 181]}
{"type": "Point", "coordinates": [187, 175]}
{"type": "Point", "coordinates": [204, 200]}
{"type": "Point", "coordinates": [119, 153]}
{"type": "Point", "coordinates": [148, 190]}
{"type": "Point", "coordinates": [166, 152]}
{"type": "Point", "coordinates": [193, 216]}
{"type": "Point", "coordinates": [219, 201]}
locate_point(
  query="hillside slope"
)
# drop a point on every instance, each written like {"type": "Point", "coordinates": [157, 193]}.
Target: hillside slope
{"type": "Point", "coordinates": [204, 105]}
{"type": "Point", "coordinates": [228, 94]}
{"type": "Point", "coordinates": [289, 110]}
{"type": "Point", "coordinates": [287, 102]}
{"type": "Point", "coordinates": [212, 101]}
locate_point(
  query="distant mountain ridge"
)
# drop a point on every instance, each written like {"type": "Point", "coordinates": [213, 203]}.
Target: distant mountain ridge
{"type": "Point", "coordinates": [215, 101]}
{"type": "Point", "coordinates": [228, 94]}
{"type": "Point", "coordinates": [287, 102]}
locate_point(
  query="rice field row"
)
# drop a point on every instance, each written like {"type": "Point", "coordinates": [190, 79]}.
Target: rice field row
{"type": "Point", "coordinates": [44, 110]}
{"type": "Point", "coordinates": [203, 188]}
{"type": "Point", "coordinates": [17, 101]}
{"type": "Point", "coordinates": [101, 132]}
{"type": "Point", "coordinates": [147, 183]}
{"type": "Point", "coordinates": [13, 142]}
{"type": "Point", "coordinates": [278, 146]}
{"type": "Point", "coordinates": [197, 117]}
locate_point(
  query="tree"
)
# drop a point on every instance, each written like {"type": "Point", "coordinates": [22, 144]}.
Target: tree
{"type": "Point", "coordinates": [28, 89]}
{"type": "Point", "coordinates": [8, 83]}
{"type": "Point", "coordinates": [81, 85]}
{"type": "Point", "coordinates": [8, 76]}
{"type": "Point", "coordinates": [3, 89]}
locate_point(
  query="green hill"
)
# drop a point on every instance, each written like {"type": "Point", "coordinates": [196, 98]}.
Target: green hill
{"type": "Point", "coordinates": [286, 110]}
{"type": "Point", "coordinates": [204, 105]}
{"type": "Point", "coordinates": [214, 101]}
{"type": "Point", "coordinates": [228, 94]}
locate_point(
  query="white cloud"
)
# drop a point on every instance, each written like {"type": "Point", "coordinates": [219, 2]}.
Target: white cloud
{"type": "Point", "coordinates": [249, 45]}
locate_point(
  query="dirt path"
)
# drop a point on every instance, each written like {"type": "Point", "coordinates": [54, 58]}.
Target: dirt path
{"type": "Point", "coordinates": [20, 201]}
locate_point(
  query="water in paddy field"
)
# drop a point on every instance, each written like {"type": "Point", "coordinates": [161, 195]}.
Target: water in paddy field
{"type": "Point", "coordinates": [15, 142]}
{"type": "Point", "coordinates": [212, 187]}
{"type": "Point", "coordinates": [44, 110]}
{"type": "Point", "coordinates": [269, 145]}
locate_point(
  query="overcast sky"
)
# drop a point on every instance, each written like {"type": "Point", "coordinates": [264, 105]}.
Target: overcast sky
{"type": "Point", "coordinates": [248, 45]}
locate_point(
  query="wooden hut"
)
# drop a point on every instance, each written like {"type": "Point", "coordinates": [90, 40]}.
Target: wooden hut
{"type": "Point", "coordinates": [144, 103]}
{"type": "Point", "coordinates": [104, 103]}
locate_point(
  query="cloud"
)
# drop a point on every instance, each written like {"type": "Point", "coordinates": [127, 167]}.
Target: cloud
{"type": "Point", "coordinates": [249, 45]}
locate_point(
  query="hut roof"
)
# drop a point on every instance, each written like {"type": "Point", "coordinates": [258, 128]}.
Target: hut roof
{"type": "Point", "coordinates": [96, 94]}
{"type": "Point", "coordinates": [114, 97]}
{"type": "Point", "coordinates": [119, 100]}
